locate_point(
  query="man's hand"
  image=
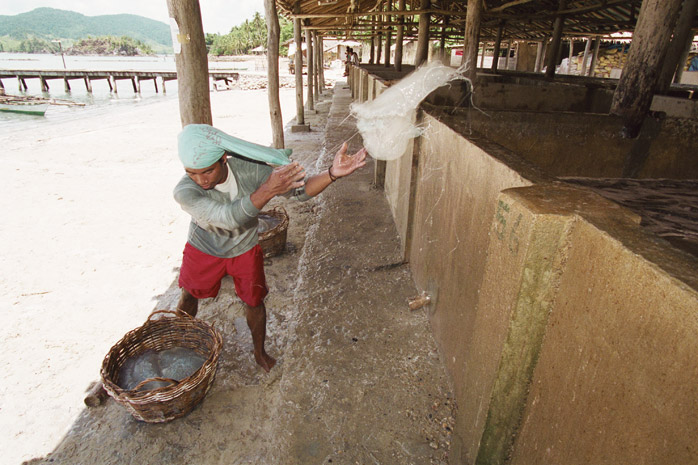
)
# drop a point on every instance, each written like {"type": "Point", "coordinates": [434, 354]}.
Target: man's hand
{"type": "Point", "coordinates": [280, 181]}
{"type": "Point", "coordinates": [344, 165]}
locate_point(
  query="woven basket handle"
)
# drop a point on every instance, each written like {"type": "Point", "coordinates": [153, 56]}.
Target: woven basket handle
{"type": "Point", "coordinates": [171, 312]}
{"type": "Point", "coordinates": [280, 208]}
{"type": "Point", "coordinates": [146, 381]}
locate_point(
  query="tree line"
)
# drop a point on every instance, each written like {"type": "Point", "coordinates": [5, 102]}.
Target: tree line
{"type": "Point", "coordinates": [247, 36]}
{"type": "Point", "coordinates": [105, 45]}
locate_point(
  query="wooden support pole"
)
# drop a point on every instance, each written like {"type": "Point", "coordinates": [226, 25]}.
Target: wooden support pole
{"type": "Point", "coordinates": [316, 67]}
{"type": "Point", "coordinates": [570, 53]}
{"type": "Point", "coordinates": [372, 52]}
{"type": "Point", "coordinates": [133, 83]}
{"type": "Point", "coordinates": [635, 90]}
{"type": "Point", "coordinates": [66, 84]}
{"type": "Point", "coordinates": [298, 64]}
{"type": "Point", "coordinates": [379, 45]}
{"type": "Point", "coordinates": [112, 84]}
{"type": "Point", "coordinates": [44, 85]}
{"type": "Point", "coordinates": [192, 63]}
{"type": "Point", "coordinates": [482, 56]}
{"type": "Point", "coordinates": [682, 38]}
{"type": "Point", "coordinates": [539, 56]}
{"type": "Point", "coordinates": [595, 56]}
{"type": "Point", "coordinates": [309, 55]}
{"type": "Point", "coordinates": [555, 45]}
{"type": "Point", "coordinates": [470, 40]}
{"type": "Point", "coordinates": [682, 60]}
{"type": "Point", "coordinates": [273, 31]}
{"type": "Point", "coordinates": [423, 36]}
{"type": "Point", "coordinates": [388, 33]}
{"type": "Point", "coordinates": [321, 47]}
{"type": "Point", "coordinates": [399, 37]}
{"type": "Point", "coordinates": [497, 47]}
{"type": "Point", "coordinates": [88, 84]}
{"type": "Point", "coordinates": [587, 47]}
{"type": "Point", "coordinates": [506, 60]}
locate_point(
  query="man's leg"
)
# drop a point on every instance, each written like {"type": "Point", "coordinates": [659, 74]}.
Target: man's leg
{"type": "Point", "coordinates": [188, 303]}
{"type": "Point", "coordinates": [257, 322]}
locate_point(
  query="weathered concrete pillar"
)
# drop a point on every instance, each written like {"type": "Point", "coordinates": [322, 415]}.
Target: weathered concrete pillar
{"type": "Point", "coordinates": [298, 64]}
{"type": "Point", "coordinates": [399, 36]}
{"type": "Point", "coordinates": [273, 31]}
{"type": "Point", "coordinates": [633, 96]}
{"type": "Point", "coordinates": [321, 62]}
{"type": "Point", "coordinates": [470, 41]}
{"type": "Point", "coordinates": [554, 55]}
{"type": "Point", "coordinates": [191, 58]}
{"type": "Point", "coordinates": [423, 35]}
{"type": "Point", "coordinates": [311, 68]}
{"type": "Point", "coordinates": [681, 41]}
{"type": "Point", "coordinates": [316, 68]}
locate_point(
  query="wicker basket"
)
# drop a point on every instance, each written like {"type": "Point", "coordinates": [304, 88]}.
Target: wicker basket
{"type": "Point", "coordinates": [180, 397]}
{"type": "Point", "coordinates": [273, 241]}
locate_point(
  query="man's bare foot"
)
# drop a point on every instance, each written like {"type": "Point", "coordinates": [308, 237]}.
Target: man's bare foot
{"type": "Point", "coordinates": [265, 361]}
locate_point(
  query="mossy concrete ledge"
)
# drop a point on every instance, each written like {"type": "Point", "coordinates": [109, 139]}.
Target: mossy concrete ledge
{"type": "Point", "coordinates": [584, 338]}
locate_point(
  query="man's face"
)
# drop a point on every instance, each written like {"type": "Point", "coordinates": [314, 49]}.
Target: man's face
{"type": "Point", "coordinates": [209, 177]}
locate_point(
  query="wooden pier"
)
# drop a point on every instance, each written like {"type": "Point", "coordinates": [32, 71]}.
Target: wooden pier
{"type": "Point", "coordinates": [136, 77]}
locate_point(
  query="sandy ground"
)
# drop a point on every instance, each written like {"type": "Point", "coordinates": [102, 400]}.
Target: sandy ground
{"type": "Point", "coordinates": [90, 238]}
{"type": "Point", "coordinates": [358, 378]}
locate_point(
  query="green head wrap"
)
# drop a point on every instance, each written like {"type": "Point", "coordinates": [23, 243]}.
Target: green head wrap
{"type": "Point", "coordinates": [201, 145]}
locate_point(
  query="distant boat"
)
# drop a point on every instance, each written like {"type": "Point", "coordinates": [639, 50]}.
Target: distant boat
{"type": "Point", "coordinates": [27, 108]}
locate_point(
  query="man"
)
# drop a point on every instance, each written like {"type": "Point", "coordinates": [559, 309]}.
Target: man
{"type": "Point", "coordinates": [226, 185]}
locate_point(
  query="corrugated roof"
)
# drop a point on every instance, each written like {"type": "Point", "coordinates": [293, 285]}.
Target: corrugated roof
{"type": "Point", "coordinates": [522, 19]}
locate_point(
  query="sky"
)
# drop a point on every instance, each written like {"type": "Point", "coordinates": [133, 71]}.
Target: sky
{"type": "Point", "coordinates": [218, 16]}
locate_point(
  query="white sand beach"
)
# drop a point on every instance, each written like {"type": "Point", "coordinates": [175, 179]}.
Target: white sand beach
{"type": "Point", "coordinates": [90, 237]}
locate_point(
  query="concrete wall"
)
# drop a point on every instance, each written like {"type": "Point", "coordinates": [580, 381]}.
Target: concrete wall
{"type": "Point", "coordinates": [456, 187]}
{"type": "Point", "coordinates": [569, 332]}
{"type": "Point", "coordinates": [584, 339]}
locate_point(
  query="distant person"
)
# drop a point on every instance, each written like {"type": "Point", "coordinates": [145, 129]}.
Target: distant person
{"type": "Point", "coordinates": [347, 60]}
{"type": "Point", "coordinates": [227, 183]}
{"type": "Point", "coordinates": [354, 58]}
{"type": "Point", "coordinates": [693, 66]}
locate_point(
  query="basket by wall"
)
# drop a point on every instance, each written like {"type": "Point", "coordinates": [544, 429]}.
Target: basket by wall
{"type": "Point", "coordinates": [180, 397]}
{"type": "Point", "coordinates": [273, 241]}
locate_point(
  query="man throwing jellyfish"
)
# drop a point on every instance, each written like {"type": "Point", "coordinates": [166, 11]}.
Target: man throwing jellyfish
{"type": "Point", "coordinates": [227, 182]}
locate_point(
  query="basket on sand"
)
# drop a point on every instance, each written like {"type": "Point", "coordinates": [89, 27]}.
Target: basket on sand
{"type": "Point", "coordinates": [179, 397]}
{"type": "Point", "coordinates": [273, 239]}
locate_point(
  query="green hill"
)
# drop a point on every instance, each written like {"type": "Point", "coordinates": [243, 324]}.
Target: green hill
{"type": "Point", "coordinates": [51, 23]}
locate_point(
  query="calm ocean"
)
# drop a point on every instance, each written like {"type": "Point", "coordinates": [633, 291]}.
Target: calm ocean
{"type": "Point", "coordinates": [101, 99]}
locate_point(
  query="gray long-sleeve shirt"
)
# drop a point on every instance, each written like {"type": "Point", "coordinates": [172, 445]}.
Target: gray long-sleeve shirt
{"type": "Point", "coordinates": [221, 226]}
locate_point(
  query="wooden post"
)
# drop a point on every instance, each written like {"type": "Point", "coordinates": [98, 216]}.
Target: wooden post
{"type": "Point", "coordinates": [399, 36]}
{"type": "Point", "coordinates": [372, 53]}
{"type": "Point", "coordinates": [682, 60]}
{"type": "Point", "coordinates": [635, 90]}
{"type": "Point", "coordinates": [555, 45]}
{"type": "Point", "coordinates": [587, 47]}
{"type": "Point", "coordinates": [470, 41]}
{"type": "Point", "coordinates": [388, 33]}
{"type": "Point", "coordinates": [379, 39]}
{"type": "Point", "coordinates": [570, 53]}
{"type": "Point", "coordinates": [309, 55]}
{"type": "Point", "coordinates": [316, 79]}
{"type": "Point", "coordinates": [423, 35]}
{"type": "Point", "coordinates": [595, 56]}
{"type": "Point", "coordinates": [681, 39]}
{"type": "Point", "coordinates": [497, 47]}
{"type": "Point", "coordinates": [506, 60]}
{"type": "Point", "coordinates": [298, 64]}
{"type": "Point", "coordinates": [273, 31]}
{"type": "Point", "coordinates": [192, 63]}
{"type": "Point", "coordinates": [321, 58]}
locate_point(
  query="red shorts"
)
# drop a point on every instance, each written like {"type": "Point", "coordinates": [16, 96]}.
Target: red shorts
{"type": "Point", "coordinates": [201, 274]}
